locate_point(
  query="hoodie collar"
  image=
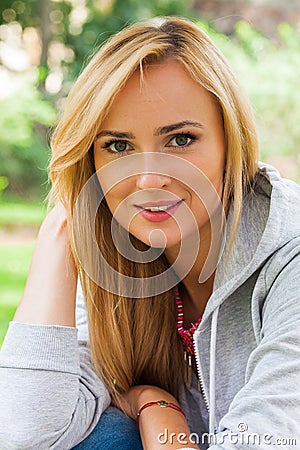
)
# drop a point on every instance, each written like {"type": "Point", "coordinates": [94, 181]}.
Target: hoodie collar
{"type": "Point", "coordinates": [269, 219]}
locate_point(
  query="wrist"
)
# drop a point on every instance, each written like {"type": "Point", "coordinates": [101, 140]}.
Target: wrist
{"type": "Point", "coordinates": [152, 394]}
{"type": "Point", "coordinates": [161, 404]}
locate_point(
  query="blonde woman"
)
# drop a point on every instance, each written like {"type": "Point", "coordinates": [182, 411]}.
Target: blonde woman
{"type": "Point", "coordinates": [185, 318]}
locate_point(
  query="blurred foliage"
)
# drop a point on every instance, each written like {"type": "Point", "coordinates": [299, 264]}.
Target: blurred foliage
{"type": "Point", "coordinates": [83, 24]}
{"type": "Point", "coordinates": [104, 18]}
{"type": "Point", "coordinates": [23, 149]}
{"type": "Point", "coordinates": [25, 12]}
{"type": "Point", "coordinates": [3, 184]}
{"type": "Point", "coordinates": [269, 71]}
{"type": "Point", "coordinates": [70, 30]}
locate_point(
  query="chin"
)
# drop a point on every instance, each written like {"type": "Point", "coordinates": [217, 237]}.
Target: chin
{"type": "Point", "coordinates": [158, 239]}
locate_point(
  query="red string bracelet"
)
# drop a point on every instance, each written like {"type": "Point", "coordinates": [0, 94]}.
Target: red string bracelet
{"type": "Point", "coordinates": [162, 404]}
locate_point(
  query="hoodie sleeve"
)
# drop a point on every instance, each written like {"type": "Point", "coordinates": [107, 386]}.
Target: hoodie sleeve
{"type": "Point", "coordinates": [50, 395]}
{"type": "Point", "coordinates": [266, 411]}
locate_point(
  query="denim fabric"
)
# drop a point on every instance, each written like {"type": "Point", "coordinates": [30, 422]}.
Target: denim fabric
{"type": "Point", "coordinates": [114, 431]}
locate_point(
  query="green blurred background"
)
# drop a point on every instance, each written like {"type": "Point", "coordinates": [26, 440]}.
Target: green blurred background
{"type": "Point", "coordinates": [45, 43]}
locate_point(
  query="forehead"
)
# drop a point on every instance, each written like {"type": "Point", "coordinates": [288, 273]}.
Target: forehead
{"type": "Point", "coordinates": [163, 93]}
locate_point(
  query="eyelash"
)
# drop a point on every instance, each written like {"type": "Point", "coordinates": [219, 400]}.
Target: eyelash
{"type": "Point", "coordinates": [115, 141]}
{"type": "Point", "coordinates": [190, 136]}
{"type": "Point", "coordinates": [108, 144]}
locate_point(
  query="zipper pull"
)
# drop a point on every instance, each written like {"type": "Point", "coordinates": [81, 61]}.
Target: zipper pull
{"type": "Point", "coordinates": [185, 366]}
{"type": "Point", "coordinates": [189, 371]}
{"type": "Point", "coordinates": [199, 385]}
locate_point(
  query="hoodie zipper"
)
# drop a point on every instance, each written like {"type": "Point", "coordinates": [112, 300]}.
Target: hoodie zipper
{"type": "Point", "coordinates": [200, 376]}
{"type": "Point", "coordinates": [212, 393]}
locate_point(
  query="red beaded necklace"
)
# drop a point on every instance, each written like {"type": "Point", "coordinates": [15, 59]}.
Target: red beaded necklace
{"type": "Point", "coordinates": [186, 335]}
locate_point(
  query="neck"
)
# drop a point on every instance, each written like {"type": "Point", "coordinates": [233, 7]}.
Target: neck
{"type": "Point", "coordinates": [194, 294]}
{"type": "Point", "coordinates": [195, 297]}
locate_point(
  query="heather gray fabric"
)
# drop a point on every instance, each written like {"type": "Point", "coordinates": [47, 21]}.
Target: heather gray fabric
{"type": "Point", "coordinates": [248, 347]}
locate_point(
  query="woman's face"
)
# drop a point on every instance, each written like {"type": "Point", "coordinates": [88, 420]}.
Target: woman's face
{"type": "Point", "coordinates": [166, 112]}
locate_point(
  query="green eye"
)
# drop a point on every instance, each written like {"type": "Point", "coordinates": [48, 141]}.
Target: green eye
{"type": "Point", "coordinates": [119, 146]}
{"type": "Point", "coordinates": [181, 140]}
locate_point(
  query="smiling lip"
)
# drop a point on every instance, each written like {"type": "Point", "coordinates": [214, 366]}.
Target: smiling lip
{"type": "Point", "coordinates": [158, 211]}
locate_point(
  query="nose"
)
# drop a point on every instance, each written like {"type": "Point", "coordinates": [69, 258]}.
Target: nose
{"type": "Point", "coordinates": [150, 180]}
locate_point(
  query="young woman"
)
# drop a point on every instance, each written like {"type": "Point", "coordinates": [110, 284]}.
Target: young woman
{"type": "Point", "coordinates": [185, 325]}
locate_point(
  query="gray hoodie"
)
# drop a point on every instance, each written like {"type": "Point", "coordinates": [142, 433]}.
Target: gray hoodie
{"type": "Point", "coordinates": [247, 348]}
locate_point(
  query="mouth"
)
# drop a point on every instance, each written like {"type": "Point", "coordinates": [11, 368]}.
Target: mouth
{"type": "Point", "coordinates": [158, 206]}
{"type": "Point", "coordinates": [158, 211]}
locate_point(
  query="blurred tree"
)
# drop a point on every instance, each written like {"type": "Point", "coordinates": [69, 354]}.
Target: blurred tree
{"type": "Point", "coordinates": [269, 70]}
{"type": "Point", "coordinates": [44, 26]}
{"type": "Point", "coordinates": [24, 12]}
{"type": "Point", "coordinates": [105, 17]}
{"type": "Point", "coordinates": [60, 37]}
{"type": "Point", "coordinates": [80, 25]}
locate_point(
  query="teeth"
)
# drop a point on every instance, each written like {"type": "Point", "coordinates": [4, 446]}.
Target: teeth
{"type": "Point", "coordinates": [158, 208]}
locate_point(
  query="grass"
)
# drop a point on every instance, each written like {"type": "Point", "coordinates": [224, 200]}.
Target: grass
{"type": "Point", "coordinates": [14, 266]}
{"type": "Point", "coordinates": [15, 256]}
{"type": "Point", "coordinates": [17, 213]}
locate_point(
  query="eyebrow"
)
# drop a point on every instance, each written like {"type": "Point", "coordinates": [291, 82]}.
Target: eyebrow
{"type": "Point", "coordinates": [158, 131]}
{"type": "Point", "coordinates": [176, 126]}
{"type": "Point", "coordinates": [116, 134]}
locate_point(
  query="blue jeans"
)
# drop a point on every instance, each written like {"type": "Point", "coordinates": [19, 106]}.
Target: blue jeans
{"type": "Point", "coordinates": [114, 431]}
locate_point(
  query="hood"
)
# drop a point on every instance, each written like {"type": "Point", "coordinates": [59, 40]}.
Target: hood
{"type": "Point", "coordinates": [270, 219]}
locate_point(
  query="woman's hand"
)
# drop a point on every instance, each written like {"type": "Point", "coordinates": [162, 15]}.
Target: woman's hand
{"type": "Point", "coordinates": [156, 424]}
{"type": "Point", "coordinates": [50, 291]}
{"type": "Point", "coordinates": [131, 402]}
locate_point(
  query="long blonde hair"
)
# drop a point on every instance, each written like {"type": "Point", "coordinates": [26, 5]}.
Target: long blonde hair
{"type": "Point", "coordinates": [135, 341]}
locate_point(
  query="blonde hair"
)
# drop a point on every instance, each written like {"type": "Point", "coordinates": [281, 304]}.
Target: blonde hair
{"type": "Point", "coordinates": [135, 341]}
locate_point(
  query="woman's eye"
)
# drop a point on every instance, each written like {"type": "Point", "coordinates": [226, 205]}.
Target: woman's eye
{"type": "Point", "coordinates": [181, 140]}
{"type": "Point", "coordinates": [117, 146]}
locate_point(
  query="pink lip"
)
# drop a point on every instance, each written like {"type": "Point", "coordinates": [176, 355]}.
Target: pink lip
{"type": "Point", "coordinates": [158, 216]}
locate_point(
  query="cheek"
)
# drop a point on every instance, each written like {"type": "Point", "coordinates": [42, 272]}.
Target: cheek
{"type": "Point", "coordinates": [117, 194]}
